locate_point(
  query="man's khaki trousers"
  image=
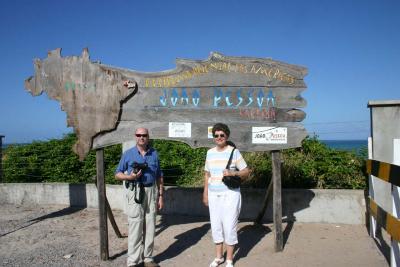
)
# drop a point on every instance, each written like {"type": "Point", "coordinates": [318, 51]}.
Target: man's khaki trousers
{"type": "Point", "coordinates": [141, 225]}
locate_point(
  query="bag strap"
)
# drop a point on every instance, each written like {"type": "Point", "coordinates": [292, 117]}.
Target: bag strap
{"type": "Point", "coordinates": [230, 159]}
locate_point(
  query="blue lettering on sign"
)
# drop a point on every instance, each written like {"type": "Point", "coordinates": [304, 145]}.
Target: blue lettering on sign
{"type": "Point", "coordinates": [217, 96]}
{"type": "Point", "coordinates": [184, 97]}
{"type": "Point", "coordinates": [174, 97]}
{"type": "Point", "coordinates": [250, 97]}
{"type": "Point", "coordinates": [227, 96]}
{"type": "Point", "coordinates": [239, 97]}
{"type": "Point", "coordinates": [163, 98]}
{"type": "Point", "coordinates": [270, 100]}
{"type": "Point", "coordinates": [260, 98]}
{"type": "Point", "coordinates": [178, 97]}
{"type": "Point", "coordinates": [196, 98]}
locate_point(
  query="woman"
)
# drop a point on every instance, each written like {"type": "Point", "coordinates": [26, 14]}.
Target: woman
{"type": "Point", "coordinates": [224, 203]}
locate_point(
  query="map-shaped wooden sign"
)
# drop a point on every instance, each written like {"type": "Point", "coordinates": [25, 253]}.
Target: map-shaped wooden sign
{"type": "Point", "coordinates": [258, 98]}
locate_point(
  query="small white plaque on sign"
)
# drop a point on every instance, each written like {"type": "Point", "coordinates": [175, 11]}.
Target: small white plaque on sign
{"type": "Point", "coordinates": [180, 129]}
{"type": "Point", "coordinates": [210, 135]}
{"type": "Point", "coordinates": [269, 135]}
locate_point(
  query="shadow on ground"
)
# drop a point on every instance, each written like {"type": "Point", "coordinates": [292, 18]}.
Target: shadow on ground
{"type": "Point", "coordinates": [55, 214]}
{"type": "Point", "coordinates": [168, 220]}
{"type": "Point", "coordinates": [183, 242]}
{"type": "Point", "coordinates": [248, 237]}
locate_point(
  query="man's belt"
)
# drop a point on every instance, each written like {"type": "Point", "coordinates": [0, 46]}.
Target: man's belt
{"type": "Point", "coordinates": [130, 184]}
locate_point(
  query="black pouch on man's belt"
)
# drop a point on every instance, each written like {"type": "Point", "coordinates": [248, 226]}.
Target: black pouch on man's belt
{"type": "Point", "coordinates": [138, 190]}
{"type": "Point", "coordinates": [139, 193]}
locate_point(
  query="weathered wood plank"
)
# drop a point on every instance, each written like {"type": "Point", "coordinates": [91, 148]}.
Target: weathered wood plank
{"type": "Point", "coordinates": [221, 70]}
{"type": "Point", "coordinates": [241, 134]}
{"type": "Point", "coordinates": [204, 115]}
{"type": "Point", "coordinates": [212, 98]}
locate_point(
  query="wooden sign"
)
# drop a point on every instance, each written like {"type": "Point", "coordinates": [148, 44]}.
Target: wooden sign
{"type": "Point", "coordinates": [259, 99]}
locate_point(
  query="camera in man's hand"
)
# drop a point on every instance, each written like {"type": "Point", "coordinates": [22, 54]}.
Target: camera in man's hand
{"type": "Point", "coordinates": [136, 185]}
{"type": "Point", "coordinates": [136, 167]}
{"type": "Point", "coordinates": [139, 166]}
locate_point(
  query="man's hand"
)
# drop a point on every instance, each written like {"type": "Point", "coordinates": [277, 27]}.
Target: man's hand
{"type": "Point", "coordinates": [160, 203]}
{"type": "Point", "coordinates": [134, 176]}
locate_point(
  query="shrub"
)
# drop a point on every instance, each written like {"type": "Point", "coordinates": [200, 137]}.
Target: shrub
{"type": "Point", "coordinates": [314, 165]}
{"type": "Point", "coordinates": [54, 161]}
{"type": "Point", "coordinates": [181, 164]}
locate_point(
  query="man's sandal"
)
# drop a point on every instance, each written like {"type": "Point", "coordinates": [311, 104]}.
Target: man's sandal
{"type": "Point", "coordinates": [216, 262]}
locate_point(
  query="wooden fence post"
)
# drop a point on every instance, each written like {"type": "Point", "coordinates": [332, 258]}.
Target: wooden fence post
{"type": "Point", "coordinates": [277, 199]}
{"type": "Point", "coordinates": [1, 157]}
{"type": "Point", "coordinates": [101, 189]}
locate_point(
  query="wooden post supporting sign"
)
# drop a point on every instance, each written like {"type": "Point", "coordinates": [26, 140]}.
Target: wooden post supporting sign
{"type": "Point", "coordinates": [110, 215]}
{"type": "Point", "coordinates": [277, 197]}
{"type": "Point", "coordinates": [267, 198]}
{"type": "Point", "coordinates": [101, 188]}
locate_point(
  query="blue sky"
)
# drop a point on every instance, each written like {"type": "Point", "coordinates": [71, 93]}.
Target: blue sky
{"type": "Point", "coordinates": [351, 50]}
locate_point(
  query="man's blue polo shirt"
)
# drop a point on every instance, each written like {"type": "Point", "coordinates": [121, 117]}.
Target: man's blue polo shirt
{"type": "Point", "coordinates": [132, 155]}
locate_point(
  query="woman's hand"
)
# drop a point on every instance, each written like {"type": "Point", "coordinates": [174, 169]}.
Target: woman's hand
{"type": "Point", "coordinates": [205, 199]}
{"type": "Point", "coordinates": [227, 172]}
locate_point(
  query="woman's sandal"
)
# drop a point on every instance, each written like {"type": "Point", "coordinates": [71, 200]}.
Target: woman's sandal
{"type": "Point", "coordinates": [216, 262]}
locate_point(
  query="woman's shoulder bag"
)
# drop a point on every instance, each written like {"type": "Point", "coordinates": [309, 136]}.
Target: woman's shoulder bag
{"type": "Point", "coordinates": [233, 181]}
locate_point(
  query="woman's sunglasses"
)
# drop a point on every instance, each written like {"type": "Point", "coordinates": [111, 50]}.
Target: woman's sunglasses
{"type": "Point", "coordinates": [219, 135]}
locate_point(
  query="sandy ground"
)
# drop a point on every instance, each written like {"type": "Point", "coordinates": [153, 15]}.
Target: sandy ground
{"type": "Point", "coordinates": [64, 236]}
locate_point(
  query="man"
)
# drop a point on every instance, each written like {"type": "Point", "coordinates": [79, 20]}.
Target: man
{"type": "Point", "coordinates": [139, 168]}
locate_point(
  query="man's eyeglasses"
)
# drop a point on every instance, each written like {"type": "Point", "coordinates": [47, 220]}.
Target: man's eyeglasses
{"type": "Point", "coordinates": [219, 135]}
{"type": "Point", "coordinates": [141, 135]}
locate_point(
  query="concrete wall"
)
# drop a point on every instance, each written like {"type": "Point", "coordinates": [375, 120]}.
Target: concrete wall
{"type": "Point", "coordinates": [302, 205]}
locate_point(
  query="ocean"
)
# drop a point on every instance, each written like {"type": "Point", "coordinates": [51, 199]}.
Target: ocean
{"type": "Point", "coordinates": [349, 145]}
{"type": "Point", "coordinates": [16, 144]}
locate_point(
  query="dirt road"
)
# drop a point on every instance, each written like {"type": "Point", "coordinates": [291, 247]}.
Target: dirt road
{"type": "Point", "coordinates": [64, 236]}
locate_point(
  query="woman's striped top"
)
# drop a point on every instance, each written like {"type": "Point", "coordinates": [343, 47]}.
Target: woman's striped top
{"type": "Point", "coordinates": [216, 163]}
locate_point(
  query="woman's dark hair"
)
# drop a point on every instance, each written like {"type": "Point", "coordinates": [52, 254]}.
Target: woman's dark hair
{"type": "Point", "coordinates": [221, 127]}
